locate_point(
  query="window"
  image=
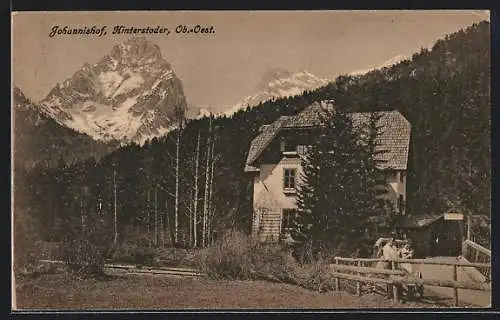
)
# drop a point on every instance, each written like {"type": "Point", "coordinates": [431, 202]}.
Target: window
{"type": "Point", "coordinates": [288, 146]}
{"type": "Point", "coordinates": [402, 176]}
{"type": "Point", "coordinates": [289, 179]}
{"type": "Point", "coordinates": [287, 218]}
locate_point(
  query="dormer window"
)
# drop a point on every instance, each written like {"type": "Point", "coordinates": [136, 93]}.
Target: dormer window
{"type": "Point", "coordinates": [288, 147]}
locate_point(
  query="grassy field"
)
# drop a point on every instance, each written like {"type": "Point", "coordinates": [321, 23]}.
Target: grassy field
{"type": "Point", "coordinates": [62, 291]}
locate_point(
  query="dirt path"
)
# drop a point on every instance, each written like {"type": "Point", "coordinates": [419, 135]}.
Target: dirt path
{"type": "Point", "coordinates": [470, 297]}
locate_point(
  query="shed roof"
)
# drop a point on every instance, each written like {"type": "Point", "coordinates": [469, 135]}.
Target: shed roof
{"type": "Point", "coordinates": [395, 137]}
{"type": "Point", "coordinates": [417, 221]}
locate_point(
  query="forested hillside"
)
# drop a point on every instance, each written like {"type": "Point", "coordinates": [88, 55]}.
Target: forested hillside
{"type": "Point", "coordinates": [443, 92]}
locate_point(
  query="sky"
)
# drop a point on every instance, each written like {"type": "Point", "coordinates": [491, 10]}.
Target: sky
{"type": "Point", "coordinates": [220, 69]}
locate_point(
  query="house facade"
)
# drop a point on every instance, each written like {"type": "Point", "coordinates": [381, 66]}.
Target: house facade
{"type": "Point", "coordinates": [274, 161]}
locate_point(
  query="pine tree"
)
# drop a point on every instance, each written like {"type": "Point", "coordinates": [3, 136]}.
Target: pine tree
{"type": "Point", "coordinates": [327, 190]}
{"type": "Point", "coordinates": [305, 224]}
{"type": "Point", "coordinates": [372, 210]}
{"type": "Point", "coordinates": [340, 180]}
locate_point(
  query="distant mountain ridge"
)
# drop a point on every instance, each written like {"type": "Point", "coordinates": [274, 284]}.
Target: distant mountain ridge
{"type": "Point", "coordinates": [130, 95]}
{"type": "Point", "coordinates": [392, 61]}
{"type": "Point", "coordinates": [278, 83]}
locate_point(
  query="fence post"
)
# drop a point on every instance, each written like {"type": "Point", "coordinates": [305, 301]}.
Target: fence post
{"type": "Point", "coordinates": [337, 280]}
{"type": "Point", "coordinates": [394, 286]}
{"type": "Point", "coordinates": [455, 290]}
{"type": "Point", "coordinates": [358, 284]}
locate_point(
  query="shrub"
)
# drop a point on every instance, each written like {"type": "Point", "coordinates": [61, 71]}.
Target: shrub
{"type": "Point", "coordinates": [228, 258]}
{"type": "Point", "coordinates": [314, 276]}
{"type": "Point", "coordinates": [133, 253]}
{"type": "Point", "coordinates": [86, 248]}
{"type": "Point", "coordinates": [236, 256]}
{"type": "Point", "coordinates": [175, 257]}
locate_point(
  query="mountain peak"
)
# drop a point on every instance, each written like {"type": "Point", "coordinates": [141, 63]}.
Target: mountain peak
{"type": "Point", "coordinates": [136, 50]}
{"type": "Point", "coordinates": [278, 83]}
{"type": "Point", "coordinates": [129, 95]}
{"type": "Point", "coordinates": [19, 98]}
{"type": "Point", "coordinates": [272, 74]}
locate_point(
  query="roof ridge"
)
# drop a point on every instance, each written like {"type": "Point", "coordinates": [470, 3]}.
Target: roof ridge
{"type": "Point", "coordinates": [396, 138]}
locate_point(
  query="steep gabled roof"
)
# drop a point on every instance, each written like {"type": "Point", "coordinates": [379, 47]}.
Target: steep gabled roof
{"type": "Point", "coordinates": [394, 138]}
{"type": "Point", "coordinates": [260, 143]}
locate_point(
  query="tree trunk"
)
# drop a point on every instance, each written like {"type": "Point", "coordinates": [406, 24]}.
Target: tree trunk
{"type": "Point", "coordinates": [196, 190]}
{"type": "Point", "coordinates": [211, 213]}
{"type": "Point", "coordinates": [156, 217]}
{"type": "Point", "coordinates": [81, 213]}
{"type": "Point", "coordinates": [162, 235]}
{"type": "Point", "coordinates": [176, 212]}
{"type": "Point", "coordinates": [207, 182]}
{"type": "Point", "coordinates": [148, 222]}
{"type": "Point", "coordinates": [190, 224]}
{"type": "Point", "coordinates": [115, 220]}
{"type": "Point", "coordinates": [169, 228]}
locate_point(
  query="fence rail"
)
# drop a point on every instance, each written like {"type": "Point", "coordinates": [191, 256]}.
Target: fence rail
{"type": "Point", "coordinates": [397, 278]}
{"type": "Point", "coordinates": [340, 267]}
{"type": "Point", "coordinates": [134, 269]}
{"type": "Point", "coordinates": [476, 253]}
{"type": "Point", "coordinates": [417, 261]}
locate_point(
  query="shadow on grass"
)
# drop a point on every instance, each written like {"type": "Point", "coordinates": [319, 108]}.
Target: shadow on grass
{"type": "Point", "coordinates": [430, 299]}
{"type": "Point", "coordinates": [63, 271]}
{"type": "Point", "coordinates": [101, 277]}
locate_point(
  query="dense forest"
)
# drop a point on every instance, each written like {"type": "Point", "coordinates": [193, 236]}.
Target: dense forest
{"type": "Point", "coordinates": [443, 92]}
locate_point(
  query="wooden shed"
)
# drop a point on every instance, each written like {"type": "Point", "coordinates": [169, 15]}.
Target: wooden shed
{"type": "Point", "coordinates": [433, 235]}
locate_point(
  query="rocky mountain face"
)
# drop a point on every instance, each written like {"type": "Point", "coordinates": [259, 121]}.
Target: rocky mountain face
{"type": "Point", "coordinates": [277, 83]}
{"type": "Point", "coordinates": [130, 95]}
{"type": "Point", "coordinates": [38, 139]}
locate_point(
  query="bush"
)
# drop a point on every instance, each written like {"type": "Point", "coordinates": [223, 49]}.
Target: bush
{"type": "Point", "coordinates": [229, 258]}
{"type": "Point", "coordinates": [85, 249]}
{"type": "Point", "coordinates": [133, 253]}
{"type": "Point", "coordinates": [176, 257]}
{"type": "Point", "coordinates": [237, 256]}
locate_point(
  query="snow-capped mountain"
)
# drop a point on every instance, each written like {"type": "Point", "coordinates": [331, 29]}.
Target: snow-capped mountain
{"type": "Point", "coordinates": [132, 94]}
{"type": "Point", "coordinates": [277, 83]}
{"type": "Point", "coordinates": [40, 139]}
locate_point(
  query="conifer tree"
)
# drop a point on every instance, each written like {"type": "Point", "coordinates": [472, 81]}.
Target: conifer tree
{"type": "Point", "coordinates": [372, 209]}
{"type": "Point", "coordinates": [327, 191]}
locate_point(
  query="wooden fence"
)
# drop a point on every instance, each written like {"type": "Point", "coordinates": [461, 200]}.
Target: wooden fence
{"type": "Point", "coordinates": [475, 253]}
{"type": "Point", "coordinates": [135, 269]}
{"type": "Point", "coordinates": [356, 269]}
